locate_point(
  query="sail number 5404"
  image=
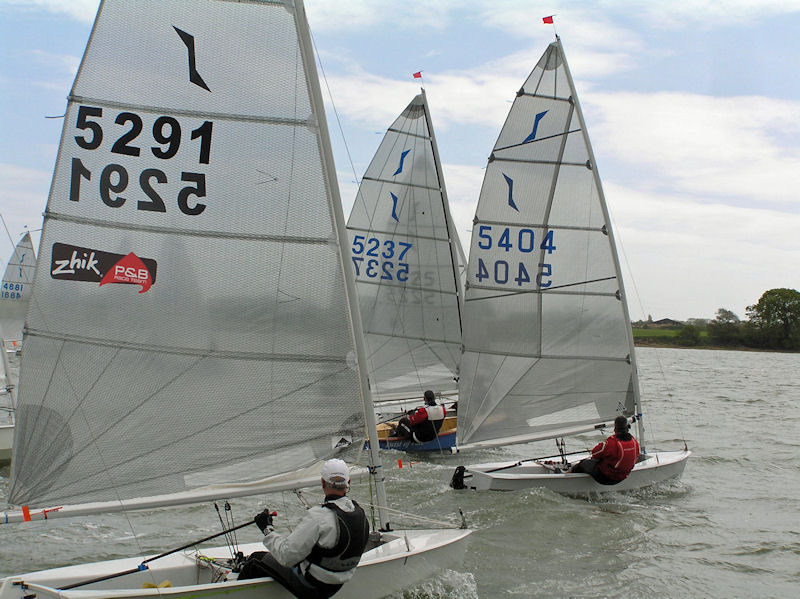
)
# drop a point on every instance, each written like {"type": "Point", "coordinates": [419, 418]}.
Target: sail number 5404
{"type": "Point", "coordinates": [524, 241]}
{"type": "Point", "coordinates": [505, 272]}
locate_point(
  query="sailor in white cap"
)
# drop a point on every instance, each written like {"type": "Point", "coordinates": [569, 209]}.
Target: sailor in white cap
{"type": "Point", "coordinates": [322, 552]}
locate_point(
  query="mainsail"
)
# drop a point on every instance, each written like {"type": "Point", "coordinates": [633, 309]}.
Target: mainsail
{"type": "Point", "coordinates": [406, 256]}
{"type": "Point", "coordinates": [15, 292]}
{"type": "Point", "coordinates": [548, 347]}
{"type": "Point", "coordinates": [190, 312]}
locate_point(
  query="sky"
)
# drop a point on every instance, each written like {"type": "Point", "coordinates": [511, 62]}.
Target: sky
{"type": "Point", "coordinates": [692, 107]}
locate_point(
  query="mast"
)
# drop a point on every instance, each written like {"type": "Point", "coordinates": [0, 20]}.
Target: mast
{"type": "Point", "coordinates": [609, 230]}
{"type": "Point", "coordinates": [349, 277]}
{"type": "Point", "coordinates": [455, 244]}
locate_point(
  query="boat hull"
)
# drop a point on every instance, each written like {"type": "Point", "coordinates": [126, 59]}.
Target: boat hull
{"type": "Point", "coordinates": [515, 476]}
{"type": "Point", "coordinates": [407, 558]}
{"type": "Point", "coordinates": [6, 441]}
{"type": "Point", "coordinates": [445, 440]}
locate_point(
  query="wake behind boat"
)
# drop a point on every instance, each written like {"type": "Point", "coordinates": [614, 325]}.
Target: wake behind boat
{"type": "Point", "coordinates": [159, 371]}
{"type": "Point", "coordinates": [548, 348]}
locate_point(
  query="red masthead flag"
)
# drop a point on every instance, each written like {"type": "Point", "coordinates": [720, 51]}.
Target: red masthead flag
{"type": "Point", "coordinates": [418, 75]}
{"type": "Point", "coordinates": [548, 20]}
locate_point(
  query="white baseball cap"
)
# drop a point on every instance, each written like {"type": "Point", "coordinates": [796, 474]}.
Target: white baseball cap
{"type": "Point", "coordinates": [336, 472]}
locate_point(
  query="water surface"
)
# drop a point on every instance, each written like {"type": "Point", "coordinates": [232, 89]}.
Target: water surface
{"type": "Point", "coordinates": [729, 528]}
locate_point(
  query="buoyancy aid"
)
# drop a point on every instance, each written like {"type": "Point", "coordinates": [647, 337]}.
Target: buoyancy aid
{"type": "Point", "coordinates": [616, 456]}
{"type": "Point", "coordinates": [353, 534]}
{"type": "Point", "coordinates": [426, 422]}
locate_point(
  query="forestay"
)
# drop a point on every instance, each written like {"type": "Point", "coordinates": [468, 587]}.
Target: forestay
{"type": "Point", "coordinates": [547, 342]}
{"type": "Point", "coordinates": [405, 253]}
{"type": "Point", "coordinates": [190, 312]}
{"type": "Point", "coordinates": [15, 293]}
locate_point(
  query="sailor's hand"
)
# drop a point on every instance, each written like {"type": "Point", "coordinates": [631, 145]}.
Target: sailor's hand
{"type": "Point", "coordinates": [264, 521]}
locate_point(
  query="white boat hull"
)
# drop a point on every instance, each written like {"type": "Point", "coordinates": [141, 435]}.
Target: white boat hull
{"type": "Point", "coordinates": [514, 476]}
{"type": "Point", "coordinates": [6, 441]}
{"type": "Point", "coordinates": [407, 558]}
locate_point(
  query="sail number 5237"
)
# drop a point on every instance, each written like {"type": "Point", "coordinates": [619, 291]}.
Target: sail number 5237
{"type": "Point", "coordinates": [380, 259]}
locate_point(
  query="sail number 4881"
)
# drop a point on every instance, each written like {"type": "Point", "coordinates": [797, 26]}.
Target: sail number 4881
{"type": "Point", "coordinates": [114, 178]}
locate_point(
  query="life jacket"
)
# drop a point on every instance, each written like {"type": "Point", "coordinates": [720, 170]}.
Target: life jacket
{"type": "Point", "coordinates": [618, 457]}
{"type": "Point", "coordinates": [353, 534]}
{"type": "Point", "coordinates": [429, 427]}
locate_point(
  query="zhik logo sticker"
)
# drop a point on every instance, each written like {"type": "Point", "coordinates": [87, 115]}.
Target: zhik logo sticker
{"type": "Point", "coordinates": [75, 263]}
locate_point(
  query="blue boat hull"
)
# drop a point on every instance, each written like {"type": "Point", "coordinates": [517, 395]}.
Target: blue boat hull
{"type": "Point", "coordinates": [441, 443]}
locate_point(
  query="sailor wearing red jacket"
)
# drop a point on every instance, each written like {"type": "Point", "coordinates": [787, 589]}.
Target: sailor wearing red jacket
{"type": "Point", "coordinates": [613, 459]}
{"type": "Point", "coordinates": [424, 423]}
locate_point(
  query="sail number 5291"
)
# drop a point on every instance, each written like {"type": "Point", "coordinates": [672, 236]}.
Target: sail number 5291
{"type": "Point", "coordinates": [114, 178]}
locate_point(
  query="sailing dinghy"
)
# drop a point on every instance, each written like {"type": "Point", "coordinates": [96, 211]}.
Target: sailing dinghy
{"type": "Point", "coordinates": [406, 254]}
{"type": "Point", "coordinates": [548, 346]}
{"type": "Point", "coordinates": [15, 295]}
{"type": "Point", "coordinates": [195, 301]}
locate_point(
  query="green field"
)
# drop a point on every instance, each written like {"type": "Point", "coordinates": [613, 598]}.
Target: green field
{"type": "Point", "coordinates": [652, 333]}
{"type": "Point", "coordinates": [667, 337]}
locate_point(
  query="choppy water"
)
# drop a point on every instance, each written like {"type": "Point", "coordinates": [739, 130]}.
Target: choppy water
{"type": "Point", "coordinates": [729, 528]}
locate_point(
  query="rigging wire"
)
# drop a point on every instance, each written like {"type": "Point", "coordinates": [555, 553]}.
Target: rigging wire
{"type": "Point", "coordinates": [333, 105]}
{"type": "Point", "coordinates": [661, 368]}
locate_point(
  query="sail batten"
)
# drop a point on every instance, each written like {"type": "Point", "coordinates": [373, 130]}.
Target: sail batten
{"type": "Point", "coordinates": [543, 162]}
{"type": "Point", "coordinates": [401, 183]}
{"type": "Point", "coordinates": [217, 116]}
{"type": "Point", "coordinates": [433, 238]}
{"type": "Point", "coordinates": [209, 353]}
{"type": "Point", "coordinates": [545, 332]}
{"type": "Point", "coordinates": [533, 141]}
{"type": "Point", "coordinates": [423, 136]}
{"type": "Point", "coordinates": [190, 232]}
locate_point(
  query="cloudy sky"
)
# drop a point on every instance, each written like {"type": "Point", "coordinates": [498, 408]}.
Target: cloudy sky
{"type": "Point", "coordinates": [693, 108]}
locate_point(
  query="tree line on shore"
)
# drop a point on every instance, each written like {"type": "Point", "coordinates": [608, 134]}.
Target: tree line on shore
{"type": "Point", "coordinates": [771, 323]}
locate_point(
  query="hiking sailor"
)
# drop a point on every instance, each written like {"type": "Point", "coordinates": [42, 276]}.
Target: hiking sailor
{"type": "Point", "coordinates": [322, 552]}
{"type": "Point", "coordinates": [613, 459]}
{"type": "Point", "coordinates": [423, 424]}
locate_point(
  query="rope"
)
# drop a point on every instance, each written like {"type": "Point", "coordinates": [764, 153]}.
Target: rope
{"type": "Point", "coordinates": [407, 514]}
{"type": "Point", "coordinates": [333, 105]}
{"type": "Point", "coordinates": [677, 421]}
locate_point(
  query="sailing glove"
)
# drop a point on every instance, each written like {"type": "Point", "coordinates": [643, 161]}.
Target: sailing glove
{"type": "Point", "coordinates": [263, 521]}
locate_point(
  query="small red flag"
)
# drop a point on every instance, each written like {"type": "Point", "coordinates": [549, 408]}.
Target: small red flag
{"type": "Point", "coordinates": [26, 513]}
{"type": "Point", "coordinates": [548, 20]}
{"type": "Point", "coordinates": [418, 75]}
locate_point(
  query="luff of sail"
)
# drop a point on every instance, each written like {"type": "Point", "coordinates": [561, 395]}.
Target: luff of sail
{"type": "Point", "coordinates": [190, 311]}
{"type": "Point", "coordinates": [547, 339]}
{"type": "Point", "coordinates": [15, 291]}
{"type": "Point", "coordinates": [406, 257]}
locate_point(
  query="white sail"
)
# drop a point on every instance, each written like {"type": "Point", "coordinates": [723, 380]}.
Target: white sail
{"type": "Point", "coordinates": [406, 256]}
{"type": "Point", "coordinates": [190, 310]}
{"type": "Point", "coordinates": [15, 291]}
{"type": "Point", "coordinates": [547, 338]}
{"type": "Point", "coordinates": [194, 331]}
